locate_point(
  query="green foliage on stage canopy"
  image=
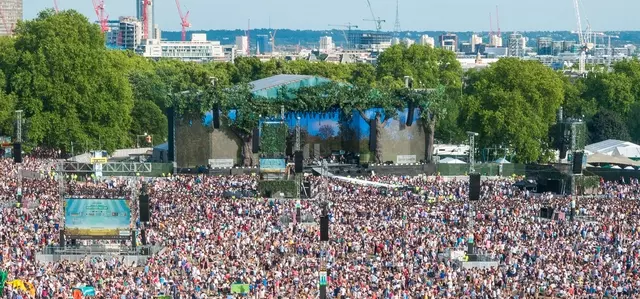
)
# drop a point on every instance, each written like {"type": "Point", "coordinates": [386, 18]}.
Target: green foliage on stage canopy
{"type": "Point", "coordinates": [273, 140]}
{"type": "Point", "coordinates": [290, 188]}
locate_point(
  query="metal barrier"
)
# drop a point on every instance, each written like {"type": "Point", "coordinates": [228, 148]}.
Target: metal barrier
{"type": "Point", "coordinates": [101, 250]}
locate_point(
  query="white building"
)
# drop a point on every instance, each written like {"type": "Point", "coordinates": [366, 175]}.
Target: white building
{"type": "Point", "coordinates": [427, 40]}
{"type": "Point", "coordinates": [475, 40]}
{"type": "Point", "coordinates": [197, 49]}
{"type": "Point", "coordinates": [495, 41]}
{"type": "Point", "coordinates": [242, 45]}
{"type": "Point", "coordinates": [408, 42]}
{"type": "Point", "coordinates": [326, 44]}
{"type": "Point", "coordinates": [517, 44]}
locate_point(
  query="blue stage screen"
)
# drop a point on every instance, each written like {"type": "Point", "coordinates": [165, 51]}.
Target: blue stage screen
{"type": "Point", "coordinates": [97, 218]}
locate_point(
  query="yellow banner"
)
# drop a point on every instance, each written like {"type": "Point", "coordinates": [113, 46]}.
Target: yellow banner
{"type": "Point", "coordinates": [99, 160]}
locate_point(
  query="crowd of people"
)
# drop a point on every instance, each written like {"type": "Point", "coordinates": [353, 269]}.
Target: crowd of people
{"type": "Point", "coordinates": [384, 243]}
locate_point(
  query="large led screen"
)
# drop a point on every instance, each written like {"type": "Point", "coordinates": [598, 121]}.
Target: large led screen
{"type": "Point", "coordinates": [97, 218]}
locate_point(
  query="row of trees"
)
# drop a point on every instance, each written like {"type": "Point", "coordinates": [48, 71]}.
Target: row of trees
{"type": "Point", "coordinates": [75, 91]}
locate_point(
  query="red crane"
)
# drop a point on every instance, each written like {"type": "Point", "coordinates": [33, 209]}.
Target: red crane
{"type": "Point", "coordinates": [145, 18]}
{"type": "Point", "coordinates": [497, 20]}
{"type": "Point", "coordinates": [55, 5]}
{"type": "Point", "coordinates": [98, 6]}
{"type": "Point", "coordinates": [184, 21]}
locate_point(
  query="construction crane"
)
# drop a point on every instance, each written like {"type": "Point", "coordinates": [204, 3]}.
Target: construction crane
{"type": "Point", "coordinates": [98, 6]}
{"type": "Point", "coordinates": [55, 5]}
{"type": "Point", "coordinates": [348, 26]}
{"type": "Point", "coordinates": [378, 22]}
{"type": "Point", "coordinates": [498, 21]}
{"type": "Point", "coordinates": [184, 21]}
{"type": "Point", "coordinates": [584, 42]}
{"type": "Point", "coordinates": [272, 36]}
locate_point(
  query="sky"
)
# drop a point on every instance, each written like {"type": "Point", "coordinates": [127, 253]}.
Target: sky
{"type": "Point", "coordinates": [419, 15]}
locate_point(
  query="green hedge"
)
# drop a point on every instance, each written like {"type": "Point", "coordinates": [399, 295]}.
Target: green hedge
{"type": "Point", "coordinates": [273, 139]}
{"type": "Point", "coordinates": [290, 188]}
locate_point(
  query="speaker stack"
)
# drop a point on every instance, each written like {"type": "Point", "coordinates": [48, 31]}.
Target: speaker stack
{"type": "Point", "coordinates": [373, 134]}
{"type": "Point", "coordinates": [255, 144]}
{"type": "Point", "coordinates": [143, 201]}
{"type": "Point", "coordinates": [17, 152]}
{"type": "Point", "coordinates": [474, 186]}
{"type": "Point", "coordinates": [324, 228]}
{"type": "Point", "coordinates": [298, 161]}
{"type": "Point", "coordinates": [577, 162]}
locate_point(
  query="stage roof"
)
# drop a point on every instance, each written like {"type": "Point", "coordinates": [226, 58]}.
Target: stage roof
{"type": "Point", "coordinates": [268, 87]}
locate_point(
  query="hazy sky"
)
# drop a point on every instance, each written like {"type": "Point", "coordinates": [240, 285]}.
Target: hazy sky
{"type": "Point", "coordinates": [452, 15]}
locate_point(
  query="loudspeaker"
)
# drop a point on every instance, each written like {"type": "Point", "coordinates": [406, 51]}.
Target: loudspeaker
{"type": "Point", "coordinates": [17, 152]}
{"type": "Point", "coordinates": [171, 120]}
{"type": "Point", "coordinates": [216, 116]}
{"type": "Point", "coordinates": [298, 215]}
{"type": "Point", "coordinates": [324, 228]}
{"type": "Point", "coordinates": [143, 236]}
{"type": "Point", "coordinates": [373, 135]}
{"type": "Point", "coordinates": [143, 201]}
{"type": "Point", "coordinates": [63, 241]}
{"type": "Point", "coordinates": [410, 114]}
{"type": "Point", "coordinates": [577, 162]}
{"type": "Point", "coordinates": [474, 186]}
{"type": "Point", "coordinates": [255, 144]}
{"type": "Point", "coordinates": [134, 242]}
{"type": "Point", "coordinates": [550, 213]}
{"type": "Point", "coordinates": [298, 161]}
{"type": "Point", "coordinates": [543, 212]}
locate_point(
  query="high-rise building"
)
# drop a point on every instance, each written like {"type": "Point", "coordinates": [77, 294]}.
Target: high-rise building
{"type": "Point", "coordinates": [11, 13]}
{"type": "Point", "coordinates": [148, 23]}
{"type": "Point", "coordinates": [545, 46]}
{"type": "Point", "coordinates": [427, 40]}
{"type": "Point", "coordinates": [495, 41]}
{"type": "Point", "coordinates": [326, 44]}
{"type": "Point", "coordinates": [408, 42]}
{"type": "Point", "coordinates": [242, 45]}
{"type": "Point", "coordinates": [475, 41]}
{"type": "Point", "coordinates": [129, 33]}
{"type": "Point", "coordinates": [517, 45]}
{"type": "Point", "coordinates": [449, 42]}
{"type": "Point", "coordinates": [263, 46]}
{"type": "Point", "coordinates": [198, 49]}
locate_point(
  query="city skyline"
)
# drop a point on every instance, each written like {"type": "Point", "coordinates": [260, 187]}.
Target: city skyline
{"type": "Point", "coordinates": [415, 15]}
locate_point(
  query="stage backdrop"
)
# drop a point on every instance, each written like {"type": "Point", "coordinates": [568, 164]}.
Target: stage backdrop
{"type": "Point", "coordinates": [97, 218]}
{"type": "Point", "coordinates": [198, 142]}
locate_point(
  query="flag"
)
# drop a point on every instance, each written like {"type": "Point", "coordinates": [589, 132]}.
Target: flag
{"type": "Point", "coordinates": [3, 279]}
{"type": "Point", "coordinates": [30, 288]}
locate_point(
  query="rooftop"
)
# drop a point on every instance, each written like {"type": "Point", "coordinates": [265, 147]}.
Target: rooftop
{"type": "Point", "coordinates": [268, 87]}
{"type": "Point", "coordinates": [614, 147]}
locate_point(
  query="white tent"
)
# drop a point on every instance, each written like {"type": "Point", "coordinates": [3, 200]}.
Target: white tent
{"type": "Point", "coordinates": [615, 167]}
{"type": "Point", "coordinates": [502, 161]}
{"type": "Point", "coordinates": [452, 161]}
{"type": "Point", "coordinates": [629, 168]}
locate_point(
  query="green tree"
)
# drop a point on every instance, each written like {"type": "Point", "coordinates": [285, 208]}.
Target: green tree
{"type": "Point", "coordinates": [611, 91]}
{"type": "Point", "coordinates": [436, 72]}
{"type": "Point", "coordinates": [607, 124]}
{"type": "Point", "coordinates": [68, 85]}
{"type": "Point", "coordinates": [513, 102]}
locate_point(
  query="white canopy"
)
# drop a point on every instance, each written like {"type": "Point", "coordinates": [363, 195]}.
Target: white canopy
{"type": "Point", "coordinates": [452, 161]}
{"type": "Point", "coordinates": [502, 161]}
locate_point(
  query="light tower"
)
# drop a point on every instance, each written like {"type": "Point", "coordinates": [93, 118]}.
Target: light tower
{"type": "Point", "coordinates": [396, 26]}
{"type": "Point", "coordinates": [472, 151]}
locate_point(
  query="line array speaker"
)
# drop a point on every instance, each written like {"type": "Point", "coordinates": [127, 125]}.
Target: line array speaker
{"type": "Point", "coordinates": [474, 186]}
{"type": "Point", "coordinates": [324, 228]}
{"type": "Point", "coordinates": [143, 201]}
{"type": "Point", "coordinates": [171, 120]}
{"type": "Point", "coordinates": [255, 144]}
{"type": "Point", "coordinates": [577, 162]}
{"type": "Point", "coordinates": [410, 114]}
{"type": "Point", "coordinates": [216, 116]}
{"type": "Point", "coordinates": [298, 161]}
{"type": "Point", "coordinates": [373, 134]}
{"type": "Point", "coordinates": [17, 152]}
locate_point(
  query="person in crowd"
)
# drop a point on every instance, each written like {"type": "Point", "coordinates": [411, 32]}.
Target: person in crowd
{"type": "Point", "coordinates": [384, 242]}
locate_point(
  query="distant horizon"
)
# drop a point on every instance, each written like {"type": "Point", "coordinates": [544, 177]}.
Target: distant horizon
{"type": "Point", "coordinates": [415, 15]}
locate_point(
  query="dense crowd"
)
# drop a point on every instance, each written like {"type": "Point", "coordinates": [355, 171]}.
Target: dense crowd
{"type": "Point", "coordinates": [384, 243]}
